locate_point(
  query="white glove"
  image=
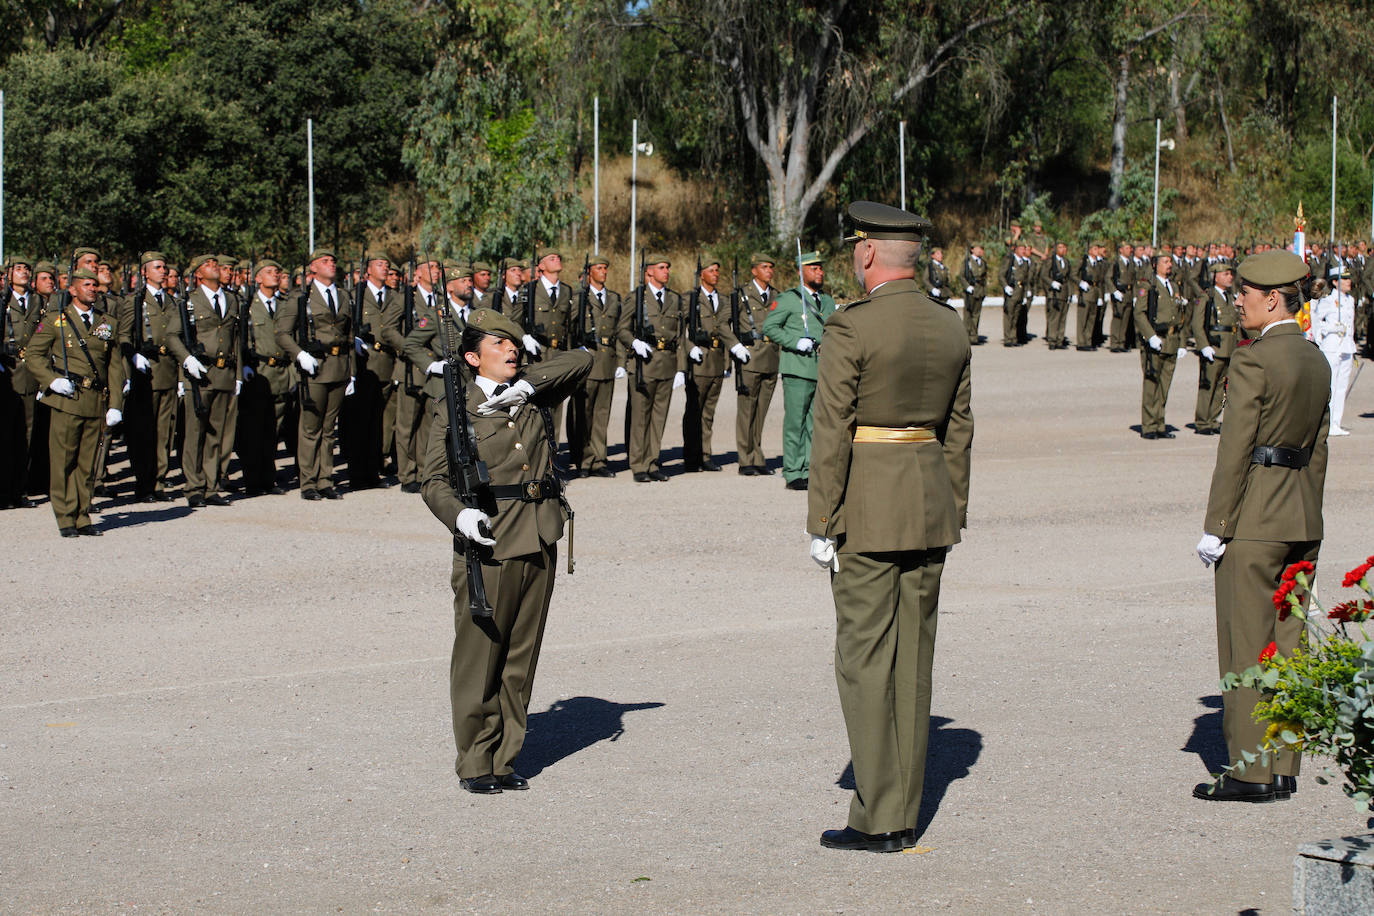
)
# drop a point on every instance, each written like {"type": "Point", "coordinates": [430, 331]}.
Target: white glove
{"type": "Point", "coordinates": [1008, 290]}
{"type": "Point", "coordinates": [1182, 352]}
{"type": "Point", "coordinates": [935, 291]}
{"type": "Point", "coordinates": [739, 352]}
{"type": "Point", "coordinates": [62, 386]}
{"type": "Point", "coordinates": [509, 399]}
{"type": "Point", "coordinates": [1117, 295]}
{"type": "Point", "coordinates": [194, 367]}
{"type": "Point", "coordinates": [823, 552]}
{"type": "Point", "coordinates": [181, 389]}
{"type": "Point", "coordinates": [360, 345]}
{"type": "Point", "coordinates": [348, 392]}
{"type": "Point", "coordinates": [307, 362]}
{"type": "Point", "coordinates": [695, 355]}
{"type": "Point", "coordinates": [679, 379]}
{"type": "Point", "coordinates": [644, 350]}
{"type": "Point", "coordinates": [1083, 285]}
{"type": "Point", "coordinates": [114, 416]}
{"type": "Point", "coordinates": [471, 524]}
{"type": "Point", "coordinates": [238, 386]}
{"type": "Point", "coordinates": [141, 363]}
{"type": "Point", "coordinates": [805, 345]}
{"type": "Point", "coordinates": [1210, 549]}
{"type": "Point", "coordinates": [1209, 354]}
{"type": "Point", "coordinates": [435, 368]}
{"type": "Point", "coordinates": [1073, 300]}
{"type": "Point", "coordinates": [619, 371]}
{"type": "Point", "coordinates": [531, 345]}
{"type": "Point", "coordinates": [1056, 285]}
{"type": "Point", "coordinates": [127, 385]}
{"type": "Point", "coordinates": [248, 373]}
{"type": "Point", "coordinates": [968, 290]}
{"type": "Point", "coordinates": [1154, 342]}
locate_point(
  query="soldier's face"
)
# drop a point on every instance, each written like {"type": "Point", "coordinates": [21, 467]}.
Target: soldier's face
{"type": "Point", "coordinates": [763, 273]}
{"type": "Point", "coordinates": [393, 278]}
{"type": "Point", "coordinates": [938, 255]}
{"type": "Point", "coordinates": [103, 275]}
{"type": "Point", "coordinates": [460, 288]}
{"type": "Point", "coordinates": [269, 278]}
{"type": "Point", "coordinates": [324, 268]}
{"type": "Point", "coordinates": [44, 284]}
{"type": "Point", "coordinates": [710, 275]}
{"type": "Point", "coordinates": [1163, 266]}
{"type": "Point", "coordinates": [978, 251]}
{"type": "Point", "coordinates": [658, 273]}
{"type": "Point", "coordinates": [551, 264]}
{"type": "Point", "coordinates": [1061, 249]}
{"type": "Point", "coordinates": [226, 274]}
{"type": "Point", "coordinates": [173, 278]}
{"type": "Point", "coordinates": [154, 273]}
{"type": "Point", "coordinates": [1222, 278]}
{"type": "Point", "coordinates": [208, 272]}
{"type": "Point", "coordinates": [598, 273]}
{"type": "Point", "coordinates": [83, 291]}
{"type": "Point", "coordinates": [481, 279]}
{"type": "Point", "coordinates": [813, 275]}
{"type": "Point", "coordinates": [497, 358]}
{"type": "Point", "coordinates": [513, 276]}
{"type": "Point", "coordinates": [87, 262]}
{"type": "Point", "coordinates": [19, 276]}
{"type": "Point", "coordinates": [377, 271]}
{"type": "Point", "coordinates": [1257, 307]}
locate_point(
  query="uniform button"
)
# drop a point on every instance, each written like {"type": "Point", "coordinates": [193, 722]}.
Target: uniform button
{"type": "Point", "coordinates": [510, 424]}
{"type": "Point", "coordinates": [518, 445]}
{"type": "Point", "coordinates": [824, 519]}
{"type": "Point", "coordinates": [524, 467]}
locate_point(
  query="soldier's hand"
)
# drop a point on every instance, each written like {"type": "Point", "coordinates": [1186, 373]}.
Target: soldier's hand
{"type": "Point", "coordinates": [360, 345]}
{"type": "Point", "coordinates": [435, 368]}
{"type": "Point", "coordinates": [531, 345]}
{"type": "Point", "coordinates": [62, 386]}
{"type": "Point", "coordinates": [695, 355]}
{"type": "Point", "coordinates": [968, 290]}
{"type": "Point", "coordinates": [1056, 285]}
{"type": "Point", "coordinates": [238, 386]}
{"type": "Point", "coordinates": [307, 362]}
{"type": "Point", "coordinates": [643, 349]}
{"type": "Point", "coordinates": [141, 363]}
{"type": "Point", "coordinates": [1154, 342]}
{"type": "Point", "coordinates": [1008, 290]}
{"type": "Point", "coordinates": [619, 371]}
{"type": "Point", "coordinates": [823, 552]}
{"type": "Point", "coordinates": [1083, 285]}
{"type": "Point", "coordinates": [181, 389]}
{"type": "Point", "coordinates": [348, 392]}
{"type": "Point", "coordinates": [805, 345]}
{"type": "Point", "coordinates": [248, 373]}
{"type": "Point", "coordinates": [1182, 352]}
{"type": "Point", "coordinates": [935, 291]}
{"type": "Point", "coordinates": [195, 367]}
{"type": "Point", "coordinates": [127, 385]}
{"type": "Point", "coordinates": [510, 399]}
{"type": "Point", "coordinates": [114, 416]}
{"type": "Point", "coordinates": [740, 353]}
{"type": "Point", "coordinates": [475, 525]}
{"type": "Point", "coordinates": [1209, 354]}
{"type": "Point", "coordinates": [1117, 295]}
{"type": "Point", "coordinates": [679, 380]}
{"type": "Point", "coordinates": [1210, 549]}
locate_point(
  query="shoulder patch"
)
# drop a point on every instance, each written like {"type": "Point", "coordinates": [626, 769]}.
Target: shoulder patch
{"type": "Point", "coordinates": [423, 322]}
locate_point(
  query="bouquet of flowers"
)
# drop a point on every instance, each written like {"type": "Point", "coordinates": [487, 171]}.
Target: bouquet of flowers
{"type": "Point", "coordinates": [1319, 700]}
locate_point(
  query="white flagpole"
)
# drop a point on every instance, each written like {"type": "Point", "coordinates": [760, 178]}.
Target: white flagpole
{"type": "Point", "coordinates": [1154, 219]}
{"type": "Point", "coordinates": [1331, 236]}
{"type": "Point", "coordinates": [901, 160]}
{"type": "Point", "coordinates": [596, 174]}
{"type": "Point", "coordinates": [634, 189]}
{"type": "Point", "coordinates": [310, 174]}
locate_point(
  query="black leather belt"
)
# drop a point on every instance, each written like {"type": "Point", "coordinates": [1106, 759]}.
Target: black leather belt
{"type": "Point", "coordinates": [1269, 455]}
{"type": "Point", "coordinates": [531, 491]}
{"type": "Point", "coordinates": [1222, 328]}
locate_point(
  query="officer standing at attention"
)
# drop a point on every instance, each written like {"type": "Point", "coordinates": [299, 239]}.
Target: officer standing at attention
{"type": "Point", "coordinates": [1264, 511]}
{"type": "Point", "coordinates": [760, 371]}
{"type": "Point", "coordinates": [1159, 313]}
{"type": "Point", "coordinates": [74, 354]}
{"type": "Point", "coordinates": [601, 335]}
{"type": "Point", "coordinates": [796, 324]}
{"type": "Point", "coordinates": [1215, 331]}
{"type": "Point", "coordinates": [706, 369]}
{"type": "Point", "coordinates": [18, 388]}
{"type": "Point", "coordinates": [975, 277]}
{"type": "Point", "coordinates": [889, 495]}
{"type": "Point", "coordinates": [264, 401]}
{"type": "Point", "coordinates": [491, 671]}
{"type": "Point", "coordinates": [663, 360]}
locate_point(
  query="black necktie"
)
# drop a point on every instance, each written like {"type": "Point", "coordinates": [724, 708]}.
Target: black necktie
{"type": "Point", "coordinates": [553, 293]}
{"type": "Point", "coordinates": [499, 389]}
{"type": "Point", "coordinates": [160, 303]}
{"type": "Point", "coordinates": [86, 318]}
{"type": "Point", "coordinates": [658, 294]}
{"type": "Point", "coordinates": [329, 300]}
{"type": "Point", "coordinates": [601, 298]}
{"type": "Point", "coordinates": [218, 310]}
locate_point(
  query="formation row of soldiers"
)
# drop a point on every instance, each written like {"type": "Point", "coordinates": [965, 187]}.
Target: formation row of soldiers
{"type": "Point", "coordinates": [232, 357]}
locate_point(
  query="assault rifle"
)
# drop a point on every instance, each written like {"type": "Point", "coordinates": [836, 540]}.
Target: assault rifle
{"type": "Point", "coordinates": [642, 329]}
{"type": "Point", "coordinates": [306, 341]}
{"type": "Point", "coordinates": [534, 330]}
{"type": "Point", "coordinates": [467, 472]}
{"type": "Point", "coordinates": [695, 334]}
{"type": "Point", "coordinates": [578, 338]}
{"type": "Point", "coordinates": [736, 298]}
{"type": "Point", "coordinates": [408, 325]}
{"type": "Point", "coordinates": [248, 349]}
{"type": "Point", "coordinates": [195, 348]}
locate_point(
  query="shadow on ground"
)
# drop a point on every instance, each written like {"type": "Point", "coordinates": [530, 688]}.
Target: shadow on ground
{"type": "Point", "coordinates": [569, 726]}
{"type": "Point", "coordinates": [950, 756]}
{"type": "Point", "coordinates": [1206, 740]}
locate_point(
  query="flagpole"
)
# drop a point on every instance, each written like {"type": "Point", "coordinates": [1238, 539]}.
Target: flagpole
{"type": "Point", "coordinates": [310, 174]}
{"type": "Point", "coordinates": [1331, 237]}
{"type": "Point", "coordinates": [901, 160]}
{"type": "Point", "coordinates": [596, 175]}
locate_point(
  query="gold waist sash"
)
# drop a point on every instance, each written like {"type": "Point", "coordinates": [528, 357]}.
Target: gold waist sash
{"type": "Point", "coordinates": [889, 434]}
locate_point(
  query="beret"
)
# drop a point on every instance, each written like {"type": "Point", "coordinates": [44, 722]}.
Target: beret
{"type": "Point", "coordinates": [45, 267]}
{"type": "Point", "coordinates": [1272, 268]}
{"type": "Point", "coordinates": [599, 259]}
{"type": "Point", "coordinates": [321, 253]}
{"type": "Point", "coordinates": [82, 252]}
{"type": "Point", "coordinates": [481, 265]}
{"type": "Point", "coordinates": [490, 321]}
{"type": "Point", "coordinates": [759, 257]}
{"type": "Point", "coordinates": [810, 257]}
{"type": "Point", "coordinates": [149, 257]}
{"type": "Point", "coordinates": [264, 263]}
{"type": "Point", "coordinates": [16, 259]}
{"type": "Point", "coordinates": [376, 254]}
{"type": "Point", "coordinates": [199, 261]}
{"type": "Point", "coordinates": [652, 259]}
{"type": "Point", "coordinates": [84, 273]}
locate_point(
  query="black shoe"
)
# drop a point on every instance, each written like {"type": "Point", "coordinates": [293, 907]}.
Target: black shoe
{"type": "Point", "coordinates": [233, 486]}
{"type": "Point", "coordinates": [748, 470]}
{"type": "Point", "coordinates": [1166, 435]}
{"type": "Point", "coordinates": [763, 470]}
{"type": "Point", "coordinates": [1149, 435]}
{"type": "Point", "coordinates": [23, 502]}
{"type": "Point", "coordinates": [602, 472]}
{"type": "Point", "coordinates": [1285, 787]}
{"type": "Point", "coordinates": [849, 838]}
{"type": "Point", "coordinates": [311, 495]}
{"type": "Point", "coordinates": [481, 785]}
{"type": "Point", "coordinates": [1234, 790]}
{"type": "Point", "coordinates": [90, 531]}
{"type": "Point", "coordinates": [1214, 432]}
{"type": "Point", "coordinates": [161, 496]}
{"type": "Point", "coordinates": [275, 490]}
{"type": "Point", "coordinates": [331, 493]}
{"type": "Point", "coordinates": [67, 532]}
{"type": "Point", "coordinates": [691, 468]}
{"type": "Point", "coordinates": [195, 501]}
{"type": "Point", "coordinates": [513, 781]}
{"type": "Point", "coordinates": [412, 487]}
{"type": "Point", "coordinates": [1085, 349]}
{"type": "Point", "coordinates": [709, 465]}
{"type": "Point", "coordinates": [217, 500]}
{"type": "Point", "coordinates": [642, 477]}
{"type": "Point", "coordinates": [798, 484]}
{"type": "Point", "coordinates": [1118, 350]}
{"type": "Point", "coordinates": [658, 475]}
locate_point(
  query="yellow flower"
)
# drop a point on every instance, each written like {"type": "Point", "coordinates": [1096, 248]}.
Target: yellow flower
{"type": "Point", "coordinates": [1273, 735]}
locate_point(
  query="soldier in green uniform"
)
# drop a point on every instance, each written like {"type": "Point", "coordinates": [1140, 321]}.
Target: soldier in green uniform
{"type": "Point", "coordinates": [974, 275]}
{"type": "Point", "coordinates": [329, 334]}
{"type": "Point", "coordinates": [889, 495]}
{"type": "Point", "coordinates": [1058, 283]}
{"type": "Point", "coordinates": [1264, 510]}
{"type": "Point", "coordinates": [709, 342]}
{"type": "Point", "coordinates": [661, 347]}
{"type": "Point", "coordinates": [1092, 272]}
{"type": "Point", "coordinates": [1158, 314]}
{"type": "Point", "coordinates": [265, 401]}
{"type": "Point", "coordinates": [797, 324]}
{"type": "Point", "coordinates": [1121, 289]}
{"type": "Point", "coordinates": [423, 346]}
{"type": "Point", "coordinates": [937, 275]}
{"type": "Point", "coordinates": [212, 360]}
{"type": "Point", "coordinates": [373, 374]}
{"type": "Point", "coordinates": [412, 410]}
{"type": "Point", "coordinates": [150, 407]}
{"type": "Point", "coordinates": [23, 309]}
{"type": "Point", "coordinates": [481, 284]}
{"type": "Point", "coordinates": [491, 671]}
{"type": "Point", "coordinates": [1016, 291]}
{"type": "Point", "coordinates": [760, 371]}
{"type": "Point", "coordinates": [1215, 331]}
{"type": "Point", "coordinates": [602, 338]}
{"type": "Point", "coordinates": [74, 355]}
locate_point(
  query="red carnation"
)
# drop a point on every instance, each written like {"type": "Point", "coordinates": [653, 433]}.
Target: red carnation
{"type": "Point", "coordinates": [1353, 577]}
{"type": "Point", "coordinates": [1268, 653]}
{"type": "Point", "coordinates": [1351, 611]}
{"type": "Point", "coordinates": [1281, 598]}
{"type": "Point", "coordinates": [1301, 566]}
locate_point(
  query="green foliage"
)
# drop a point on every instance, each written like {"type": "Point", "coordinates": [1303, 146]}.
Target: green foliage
{"type": "Point", "coordinates": [1131, 222]}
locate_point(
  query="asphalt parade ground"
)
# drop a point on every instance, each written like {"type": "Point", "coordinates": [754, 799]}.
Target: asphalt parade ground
{"type": "Point", "coordinates": [245, 709]}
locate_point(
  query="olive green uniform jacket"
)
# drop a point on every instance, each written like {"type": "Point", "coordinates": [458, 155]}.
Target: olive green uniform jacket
{"type": "Point", "coordinates": [218, 335]}
{"type": "Point", "coordinates": [56, 334]}
{"type": "Point", "coordinates": [332, 329]}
